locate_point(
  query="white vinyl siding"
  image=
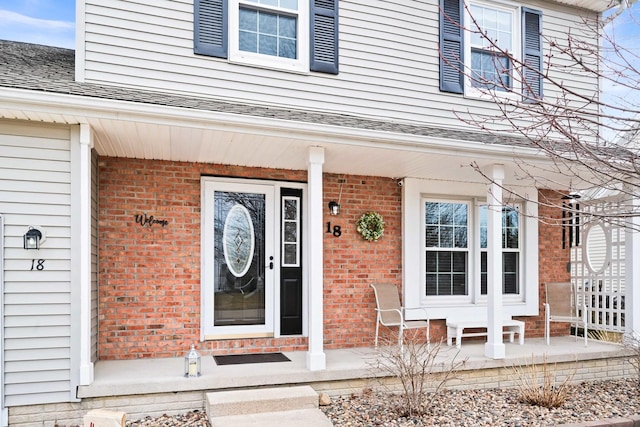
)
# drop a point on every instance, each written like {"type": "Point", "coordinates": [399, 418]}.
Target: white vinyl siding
{"type": "Point", "coordinates": [388, 60]}
{"type": "Point", "coordinates": [35, 190]}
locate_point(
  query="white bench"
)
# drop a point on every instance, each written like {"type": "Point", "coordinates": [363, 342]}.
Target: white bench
{"type": "Point", "coordinates": [455, 329]}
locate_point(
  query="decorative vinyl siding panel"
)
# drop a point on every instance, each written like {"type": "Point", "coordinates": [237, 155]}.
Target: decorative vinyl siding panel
{"type": "Point", "coordinates": [35, 191]}
{"type": "Point", "coordinates": [389, 62]}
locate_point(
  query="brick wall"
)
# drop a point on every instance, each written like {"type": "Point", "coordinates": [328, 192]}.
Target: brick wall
{"type": "Point", "coordinates": [149, 277]}
{"type": "Point", "coordinates": [553, 259]}
{"type": "Point", "coordinates": [352, 263]}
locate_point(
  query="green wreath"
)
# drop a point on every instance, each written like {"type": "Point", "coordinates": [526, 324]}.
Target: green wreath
{"type": "Point", "coordinates": [371, 226]}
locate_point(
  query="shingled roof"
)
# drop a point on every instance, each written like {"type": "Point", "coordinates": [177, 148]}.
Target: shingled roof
{"type": "Point", "coordinates": [51, 69]}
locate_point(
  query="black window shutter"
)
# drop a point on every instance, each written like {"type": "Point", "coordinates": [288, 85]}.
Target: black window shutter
{"type": "Point", "coordinates": [451, 48]}
{"type": "Point", "coordinates": [532, 53]}
{"type": "Point", "coordinates": [324, 36]}
{"type": "Point", "coordinates": [210, 28]}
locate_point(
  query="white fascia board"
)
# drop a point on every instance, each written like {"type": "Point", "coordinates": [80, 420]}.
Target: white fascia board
{"type": "Point", "coordinates": [592, 5]}
{"type": "Point", "coordinates": [87, 108]}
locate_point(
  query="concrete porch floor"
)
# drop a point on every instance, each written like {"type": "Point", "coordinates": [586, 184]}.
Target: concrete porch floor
{"type": "Point", "coordinates": [346, 370]}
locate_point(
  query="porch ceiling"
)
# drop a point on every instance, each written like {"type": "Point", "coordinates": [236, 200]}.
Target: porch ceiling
{"type": "Point", "coordinates": [286, 150]}
{"type": "Point", "coordinates": [137, 130]}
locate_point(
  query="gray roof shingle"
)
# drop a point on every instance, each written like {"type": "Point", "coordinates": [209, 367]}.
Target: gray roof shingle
{"type": "Point", "coordinates": [51, 69]}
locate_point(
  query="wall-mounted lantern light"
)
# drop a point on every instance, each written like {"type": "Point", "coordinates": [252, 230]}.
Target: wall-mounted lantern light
{"type": "Point", "coordinates": [33, 238]}
{"type": "Point", "coordinates": [192, 363]}
{"type": "Point", "coordinates": [334, 207]}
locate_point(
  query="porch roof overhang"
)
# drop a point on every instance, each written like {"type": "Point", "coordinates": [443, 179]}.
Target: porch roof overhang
{"type": "Point", "coordinates": [123, 128]}
{"type": "Point", "coordinates": [37, 84]}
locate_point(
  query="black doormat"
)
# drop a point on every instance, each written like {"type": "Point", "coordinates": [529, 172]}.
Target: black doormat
{"type": "Point", "coordinates": [239, 359]}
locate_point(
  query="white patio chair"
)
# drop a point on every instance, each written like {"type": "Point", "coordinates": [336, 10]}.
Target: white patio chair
{"type": "Point", "coordinates": [561, 306]}
{"type": "Point", "coordinates": [391, 314]}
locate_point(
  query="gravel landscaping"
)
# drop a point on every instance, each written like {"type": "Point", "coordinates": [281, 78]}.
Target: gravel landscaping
{"type": "Point", "coordinates": [495, 407]}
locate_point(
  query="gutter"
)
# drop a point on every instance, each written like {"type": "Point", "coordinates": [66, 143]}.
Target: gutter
{"type": "Point", "coordinates": [620, 8]}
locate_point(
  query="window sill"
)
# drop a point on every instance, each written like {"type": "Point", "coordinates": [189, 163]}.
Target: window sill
{"type": "Point", "coordinates": [491, 95]}
{"type": "Point", "coordinates": [258, 61]}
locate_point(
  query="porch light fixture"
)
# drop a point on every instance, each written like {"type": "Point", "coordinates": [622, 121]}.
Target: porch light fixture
{"type": "Point", "coordinates": [32, 238]}
{"type": "Point", "coordinates": [334, 207]}
{"type": "Point", "coordinates": [192, 362]}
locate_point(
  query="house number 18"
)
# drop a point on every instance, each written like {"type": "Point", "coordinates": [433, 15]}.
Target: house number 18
{"type": "Point", "coordinates": [37, 264]}
{"type": "Point", "coordinates": [336, 230]}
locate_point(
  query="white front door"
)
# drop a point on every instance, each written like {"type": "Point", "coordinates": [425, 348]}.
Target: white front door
{"type": "Point", "coordinates": [238, 260]}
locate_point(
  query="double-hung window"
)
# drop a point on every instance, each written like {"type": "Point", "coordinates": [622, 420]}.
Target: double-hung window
{"type": "Point", "coordinates": [269, 33]}
{"type": "Point", "coordinates": [456, 230]}
{"type": "Point", "coordinates": [490, 46]}
{"type": "Point", "coordinates": [510, 250]}
{"type": "Point", "coordinates": [291, 35]}
{"type": "Point", "coordinates": [491, 40]}
{"type": "Point", "coordinates": [447, 248]}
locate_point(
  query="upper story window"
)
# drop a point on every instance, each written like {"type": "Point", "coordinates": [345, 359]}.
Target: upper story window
{"type": "Point", "coordinates": [292, 35]}
{"type": "Point", "coordinates": [270, 33]}
{"type": "Point", "coordinates": [473, 41]}
{"type": "Point", "coordinates": [491, 69]}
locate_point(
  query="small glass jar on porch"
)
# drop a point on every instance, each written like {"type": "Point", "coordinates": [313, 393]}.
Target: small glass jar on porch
{"type": "Point", "coordinates": [192, 363]}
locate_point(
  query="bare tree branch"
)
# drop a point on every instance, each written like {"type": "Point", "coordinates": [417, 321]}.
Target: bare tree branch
{"type": "Point", "coordinates": [590, 140]}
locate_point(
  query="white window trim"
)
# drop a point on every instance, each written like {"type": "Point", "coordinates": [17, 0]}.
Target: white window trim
{"type": "Point", "coordinates": [301, 64]}
{"type": "Point", "coordinates": [414, 193]}
{"type": "Point", "coordinates": [516, 43]}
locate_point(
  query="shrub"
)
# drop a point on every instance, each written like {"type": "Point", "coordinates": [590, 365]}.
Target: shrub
{"type": "Point", "coordinates": [421, 371]}
{"type": "Point", "coordinates": [538, 384]}
{"type": "Point", "coordinates": [606, 336]}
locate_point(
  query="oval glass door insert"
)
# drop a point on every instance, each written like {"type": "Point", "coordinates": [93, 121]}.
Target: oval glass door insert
{"type": "Point", "coordinates": [238, 240]}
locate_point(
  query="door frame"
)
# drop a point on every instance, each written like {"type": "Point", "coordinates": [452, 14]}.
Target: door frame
{"type": "Point", "coordinates": [210, 184]}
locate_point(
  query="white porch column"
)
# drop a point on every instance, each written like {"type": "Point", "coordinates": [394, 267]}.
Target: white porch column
{"type": "Point", "coordinates": [494, 348]}
{"type": "Point", "coordinates": [316, 360]}
{"type": "Point", "coordinates": [84, 254]}
{"type": "Point", "coordinates": [632, 272]}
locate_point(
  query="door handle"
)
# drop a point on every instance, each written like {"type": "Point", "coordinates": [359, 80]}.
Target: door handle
{"type": "Point", "coordinates": [271, 263]}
